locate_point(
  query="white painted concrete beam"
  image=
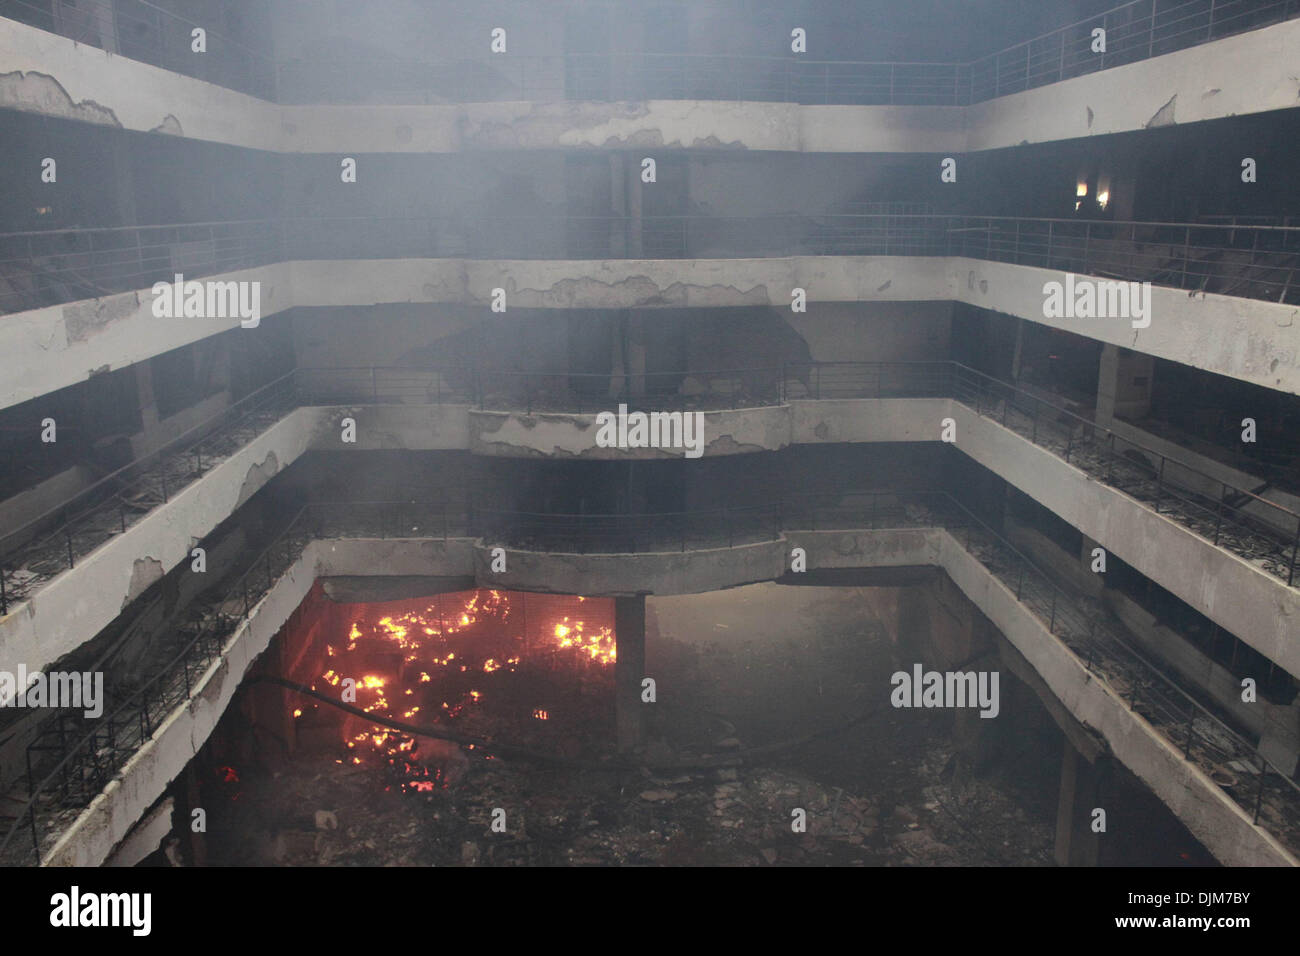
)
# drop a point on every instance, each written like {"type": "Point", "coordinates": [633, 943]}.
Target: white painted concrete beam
{"type": "Point", "coordinates": [1249, 73]}
{"type": "Point", "coordinates": [50, 348]}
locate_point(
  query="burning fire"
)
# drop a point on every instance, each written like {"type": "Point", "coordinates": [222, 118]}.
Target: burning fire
{"type": "Point", "coordinates": [440, 662]}
{"type": "Point", "coordinates": [598, 646]}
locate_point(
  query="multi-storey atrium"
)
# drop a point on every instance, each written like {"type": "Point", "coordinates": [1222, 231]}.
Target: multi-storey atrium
{"type": "Point", "coordinates": [674, 432]}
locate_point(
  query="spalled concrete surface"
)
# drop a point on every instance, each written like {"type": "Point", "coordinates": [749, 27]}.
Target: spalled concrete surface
{"type": "Point", "coordinates": [45, 349]}
{"type": "Point", "coordinates": [1211, 816]}
{"type": "Point", "coordinates": [729, 432]}
{"type": "Point", "coordinates": [659, 572]}
{"type": "Point", "coordinates": [1253, 605]}
{"type": "Point", "coordinates": [145, 776]}
{"type": "Point", "coordinates": [414, 427]}
{"type": "Point", "coordinates": [1249, 339]}
{"type": "Point", "coordinates": [81, 601]}
{"type": "Point", "coordinates": [1249, 73]}
{"type": "Point", "coordinates": [868, 420]}
{"type": "Point", "coordinates": [398, 557]}
{"type": "Point", "coordinates": [54, 76]}
{"type": "Point", "coordinates": [1202, 806]}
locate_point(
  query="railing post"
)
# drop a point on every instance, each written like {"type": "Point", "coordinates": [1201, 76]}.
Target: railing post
{"type": "Point", "coordinates": [1051, 628]}
{"type": "Point", "coordinates": [1050, 226]}
{"type": "Point", "coordinates": [1160, 483]}
{"type": "Point", "coordinates": [1218, 511]}
{"type": "Point", "coordinates": [1259, 796]}
{"type": "Point", "coordinates": [1295, 546]}
{"type": "Point", "coordinates": [36, 837]}
{"type": "Point", "coordinates": [68, 535]}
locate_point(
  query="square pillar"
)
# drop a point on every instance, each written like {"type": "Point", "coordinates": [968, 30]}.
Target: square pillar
{"type": "Point", "coordinates": [629, 670]}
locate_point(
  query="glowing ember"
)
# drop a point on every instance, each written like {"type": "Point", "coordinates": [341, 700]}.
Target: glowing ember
{"type": "Point", "coordinates": [440, 659]}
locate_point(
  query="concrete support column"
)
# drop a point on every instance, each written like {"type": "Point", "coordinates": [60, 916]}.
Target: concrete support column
{"type": "Point", "coordinates": [980, 740]}
{"type": "Point", "coordinates": [145, 396]}
{"type": "Point", "coordinates": [618, 229]}
{"type": "Point", "coordinates": [636, 355]}
{"type": "Point", "coordinates": [1095, 583]}
{"type": "Point", "coordinates": [937, 627]}
{"type": "Point", "coordinates": [632, 185]}
{"type": "Point", "coordinates": [628, 358]}
{"type": "Point", "coordinates": [1076, 844]}
{"type": "Point", "coordinates": [193, 798]}
{"type": "Point", "coordinates": [1123, 384]}
{"type": "Point", "coordinates": [629, 669]}
{"type": "Point", "coordinates": [1107, 378]}
{"type": "Point", "coordinates": [1018, 352]}
{"type": "Point", "coordinates": [104, 14]}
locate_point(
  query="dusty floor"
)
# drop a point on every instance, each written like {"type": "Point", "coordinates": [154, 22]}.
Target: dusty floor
{"type": "Point", "coordinates": [735, 670]}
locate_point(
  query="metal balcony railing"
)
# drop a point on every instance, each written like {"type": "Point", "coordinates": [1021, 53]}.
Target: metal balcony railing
{"type": "Point", "coordinates": [142, 31]}
{"type": "Point", "coordinates": [39, 269]}
{"type": "Point", "coordinates": [1135, 31]}
{"type": "Point", "coordinates": [75, 757]}
{"type": "Point", "coordinates": [53, 266]}
{"type": "Point", "coordinates": [54, 541]}
{"type": "Point", "coordinates": [1263, 532]}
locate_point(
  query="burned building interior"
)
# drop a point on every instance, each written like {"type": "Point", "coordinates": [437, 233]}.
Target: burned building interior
{"type": "Point", "coordinates": [574, 434]}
